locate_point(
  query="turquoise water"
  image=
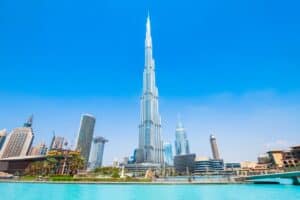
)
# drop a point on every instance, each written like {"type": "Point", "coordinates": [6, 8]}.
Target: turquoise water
{"type": "Point", "coordinates": [20, 191]}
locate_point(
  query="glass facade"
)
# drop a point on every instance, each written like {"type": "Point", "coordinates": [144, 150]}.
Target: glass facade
{"type": "Point", "coordinates": [211, 165]}
{"type": "Point", "coordinates": [168, 154]}
{"type": "Point", "coordinates": [181, 141]}
{"type": "Point", "coordinates": [97, 151]}
{"type": "Point", "coordinates": [85, 136]}
{"type": "Point", "coordinates": [184, 164]}
{"type": "Point", "coordinates": [150, 143]}
{"type": "Point", "coordinates": [2, 138]}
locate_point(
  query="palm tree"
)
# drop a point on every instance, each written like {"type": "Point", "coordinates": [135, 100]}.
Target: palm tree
{"type": "Point", "coordinates": [76, 163]}
{"type": "Point", "coordinates": [52, 164]}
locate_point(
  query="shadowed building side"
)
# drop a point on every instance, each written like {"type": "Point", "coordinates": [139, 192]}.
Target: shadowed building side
{"type": "Point", "coordinates": [85, 136]}
{"type": "Point", "coordinates": [2, 137]}
{"type": "Point", "coordinates": [214, 148]}
{"type": "Point", "coordinates": [97, 151]}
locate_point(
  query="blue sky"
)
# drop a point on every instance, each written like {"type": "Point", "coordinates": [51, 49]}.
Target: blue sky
{"type": "Point", "coordinates": [229, 67]}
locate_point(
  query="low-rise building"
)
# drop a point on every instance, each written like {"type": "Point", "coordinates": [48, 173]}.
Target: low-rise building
{"type": "Point", "coordinates": [184, 164]}
{"type": "Point", "coordinates": [205, 165]}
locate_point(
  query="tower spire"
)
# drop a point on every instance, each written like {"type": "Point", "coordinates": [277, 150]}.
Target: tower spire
{"type": "Point", "coordinates": [150, 141]}
{"type": "Point", "coordinates": [148, 32]}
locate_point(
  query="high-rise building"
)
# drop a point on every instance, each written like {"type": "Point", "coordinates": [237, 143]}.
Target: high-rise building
{"type": "Point", "coordinates": [2, 137]}
{"type": "Point", "coordinates": [85, 135]}
{"type": "Point", "coordinates": [214, 147]}
{"type": "Point", "coordinates": [150, 142]}
{"type": "Point", "coordinates": [57, 143]}
{"type": "Point", "coordinates": [181, 141]}
{"type": "Point", "coordinates": [19, 141]}
{"type": "Point", "coordinates": [168, 154]}
{"type": "Point", "coordinates": [40, 149]}
{"type": "Point", "coordinates": [97, 151]}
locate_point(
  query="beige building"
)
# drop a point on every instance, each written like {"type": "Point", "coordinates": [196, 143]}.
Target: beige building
{"type": "Point", "coordinates": [18, 143]}
{"type": "Point", "coordinates": [276, 157]}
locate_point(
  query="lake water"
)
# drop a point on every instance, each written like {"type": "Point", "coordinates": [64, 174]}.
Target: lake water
{"type": "Point", "coordinates": [28, 191]}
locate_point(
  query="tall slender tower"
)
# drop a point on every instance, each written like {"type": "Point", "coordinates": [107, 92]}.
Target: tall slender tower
{"type": "Point", "coordinates": [96, 155]}
{"type": "Point", "coordinates": [150, 142]}
{"type": "Point", "coordinates": [181, 141]}
{"type": "Point", "coordinates": [85, 136]}
{"type": "Point", "coordinates": [214, 147]}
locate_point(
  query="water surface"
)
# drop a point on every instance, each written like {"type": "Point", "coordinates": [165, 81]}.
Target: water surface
{"type": "Point", "coordinates": [29, 191]}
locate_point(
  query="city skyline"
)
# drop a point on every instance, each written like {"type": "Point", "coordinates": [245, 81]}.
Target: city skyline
{"type": "Point", "coordinates": [219, 83]}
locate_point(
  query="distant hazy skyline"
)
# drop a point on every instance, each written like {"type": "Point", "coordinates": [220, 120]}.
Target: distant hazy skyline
{"type": "Point", "coordinates": [230, 68]}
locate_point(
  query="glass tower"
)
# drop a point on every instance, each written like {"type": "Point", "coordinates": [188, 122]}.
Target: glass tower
{"type": "Point", "coordinates": [150, 143]}
{"type": "Point", "coordinates": [181, 141]}
{"type": "Point", "coordinates": [85, 135]}
{"type": "Point", "coordinates": [168, 154]}
{"type": "Point", "coordinates": [2, 137]}
{"type": "Point", "coordinates": [97, 151]}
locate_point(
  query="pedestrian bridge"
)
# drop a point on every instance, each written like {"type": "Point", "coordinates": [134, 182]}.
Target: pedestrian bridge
{"type": "Point", "coordinates": [294, 176]}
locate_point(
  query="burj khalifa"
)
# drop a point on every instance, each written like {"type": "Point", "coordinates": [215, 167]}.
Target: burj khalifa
{"type": "Point", "coordinates": [150, 142]}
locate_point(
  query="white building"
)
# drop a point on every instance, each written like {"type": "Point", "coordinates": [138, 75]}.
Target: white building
{"type": "Point", "coordinates": [18, 142]}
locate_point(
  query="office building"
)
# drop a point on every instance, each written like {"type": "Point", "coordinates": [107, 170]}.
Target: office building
{"type": "Point", "coordinates": [85, 136]}
{"type": "Point", "coordinates": [19, 141]}
{"type": "Point", "coordinates": [181, 141]}
{"type": "Point", "coordinates": [168, 154]}
{"type": "Point", "coordinates": [150, 148]}
{"type": "Point", "coordinates": [97, 151]}
{"type": "Point", "coordinates": [57, 143]}
{"type": "Point", "coordinates": [276, 158]}
{"type": "Point", "coordinates": [233, 166]}
{"type": "Point", "coordinates": [184, 164]}
{"type": "Point", "coordinates": [2, 137]}
{"type": "Point", "coordinates": [214, 147]}
{"type": "Point", "coordinates": [40, 149]}
{"type": "Point", "coordinates": [205, 165]}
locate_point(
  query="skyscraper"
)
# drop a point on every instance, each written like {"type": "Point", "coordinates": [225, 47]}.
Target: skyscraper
{"type": "Point", "coordinates": [181, 141]}
{"type": "Point", "coordinates": [150, 143]}
{"type": "Point", "coordinates": [19, 141]}
{"type": "Point", "coordinates": [2, 137]}
{"type": "Point", "coordinates": [40, 149]}
{"type": "Point", "coordinates": [168, 154]}
{"type": "Point", "coordinates": [85, 135]}
{"type": "Point", "coordinates": [214, 148]}
{"type": "Point", "coordinates": [97, 151]}
{"type": "Point", "coordinates": [57, 143]}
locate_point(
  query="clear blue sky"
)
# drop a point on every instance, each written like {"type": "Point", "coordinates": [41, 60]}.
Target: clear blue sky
{"type": "Point", "coordinates": [229, 67]}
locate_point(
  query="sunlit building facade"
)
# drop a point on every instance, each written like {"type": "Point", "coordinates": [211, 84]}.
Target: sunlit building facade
{"type": "Point", "coordinates": [19, 141]}
{"type": "Point", "coordinates": [150, 142]}
{"type": "Point", "coordinates": [181, 141]}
